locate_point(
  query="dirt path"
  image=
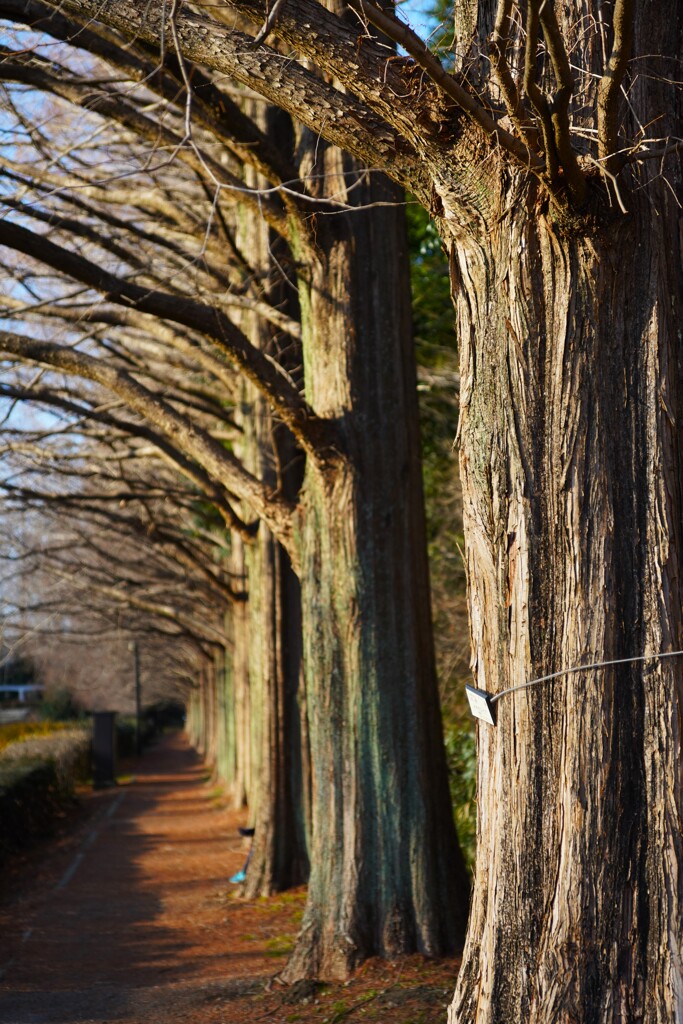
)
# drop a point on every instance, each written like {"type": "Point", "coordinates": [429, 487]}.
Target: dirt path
{"type": "Point", "coordinates": [130, 917]}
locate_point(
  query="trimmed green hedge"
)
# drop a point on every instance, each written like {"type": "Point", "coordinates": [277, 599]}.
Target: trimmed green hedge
{"type": "Point", "coordinates": [37, 781]}
{"type": "Point", "coordinates": [13, 732]}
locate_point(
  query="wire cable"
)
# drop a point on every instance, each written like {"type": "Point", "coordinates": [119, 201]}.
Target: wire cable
{"type": "Point", "coordinates": [584, 668]}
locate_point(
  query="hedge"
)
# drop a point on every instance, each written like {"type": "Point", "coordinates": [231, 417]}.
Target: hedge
{"type": "Point", "coordinates": [37, 781]}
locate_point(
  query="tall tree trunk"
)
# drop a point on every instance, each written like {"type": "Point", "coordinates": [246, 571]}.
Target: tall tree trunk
{"type": "Point", "coordinates": [198, 712]}
{"type": "Point", "coordinates": [570, 453]}
{"type": "Point", "coordinates": [279, 857]}
{"type": "Point", "coordinates": [228, 759]}
{"type": "Point", "coordinates": [239, 679]}
{"type": "Point", "coordinates": [224, 763]}
{"type": "Point", "coordinates": [279, 854]}
{"type": "Point", "coordinates": [386, 872]}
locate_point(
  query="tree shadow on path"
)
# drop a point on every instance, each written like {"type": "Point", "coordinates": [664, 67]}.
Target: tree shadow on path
{"type": "Point", "coordinates": [139, 905]}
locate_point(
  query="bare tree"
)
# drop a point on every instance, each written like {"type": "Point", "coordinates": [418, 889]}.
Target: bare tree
{"type": "Point", "coordinates": [354, 532]}
{"type": "Point", "coordinates": [551, 156]}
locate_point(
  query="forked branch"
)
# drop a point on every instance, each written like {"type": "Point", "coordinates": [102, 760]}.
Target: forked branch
{"type": "Point", "coordinates": [187, 466]}
{"type": "Point", "coordinates": [538, 100]}
{"type": "Point", "coordinates": [313, 433]}
{"type": "Point", "coordinates": [220, 464]}
{"type": "Point", "coordinates": [418, 50]}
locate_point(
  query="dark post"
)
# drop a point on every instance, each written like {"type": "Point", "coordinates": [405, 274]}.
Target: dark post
{"type": "Point", "coordinates": [138, 713]}
{"type": "Point", "coordinates": [104, 748]}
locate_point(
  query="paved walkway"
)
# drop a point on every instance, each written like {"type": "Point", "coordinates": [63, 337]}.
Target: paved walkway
{"type": "Point", "coordinates": [133, 918]}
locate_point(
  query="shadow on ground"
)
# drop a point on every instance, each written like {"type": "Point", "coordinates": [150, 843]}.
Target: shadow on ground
{"type": "Point", "coordinates": [136, 905]}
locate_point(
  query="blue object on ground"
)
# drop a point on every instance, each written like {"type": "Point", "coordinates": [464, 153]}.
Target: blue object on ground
{"type": "Point", "coordinates": [239, 877]}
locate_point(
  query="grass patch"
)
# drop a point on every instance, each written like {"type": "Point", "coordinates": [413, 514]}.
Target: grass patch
{"type": "Point", "coordinates": [294, 898]}
{"type": "Point", "coordinates": [280, 945]}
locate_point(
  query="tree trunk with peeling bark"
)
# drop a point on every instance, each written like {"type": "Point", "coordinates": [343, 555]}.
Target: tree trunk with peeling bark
{"type": "Point", "coordinates": [387, 876]}
{"type": "Point", "coordinates": [569, 319]}
{"type": "Point", "coordinates": [570, 453]}
{"type": "Point", "coordinates": [279, 856]}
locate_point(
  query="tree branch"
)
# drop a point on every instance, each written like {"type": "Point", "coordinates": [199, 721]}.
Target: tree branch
{"type": "Point", "coordinates": [503, 75]}
{"type": "Point", "coordinates": [213, 457]}
{"type": "Point", "coordinates": [560, 107]}
{"type": "Point", "coordinates": [610, 85]}
{"type": "Point", "coordinates": [315, 435]}
{"type": "Point", "coordinates": [34, 71]}
{"type": "Point", "coordinates": [413, 45]}
{"type": "Point", "coordinates": [538, 100]}
{"type": "Point", "coordinates": [342, 119]}
{"type": "Point", "coordinates": [187, 467]}
{"type": "Point", "coordinates": [200, 629]}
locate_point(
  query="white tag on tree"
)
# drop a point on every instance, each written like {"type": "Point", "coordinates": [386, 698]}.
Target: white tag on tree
{"type": "Point", "coordinates": [480, 704]}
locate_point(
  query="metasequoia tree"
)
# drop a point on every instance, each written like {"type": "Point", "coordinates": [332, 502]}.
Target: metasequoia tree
{"type": "Point", "coordinates": [551, 156]}
{"type": "Point", "coordinates": [279, 805]}
{"type": "Point", "coordinates": [96, 463]}
{"type": "Point", "coordinates": [386, 874]}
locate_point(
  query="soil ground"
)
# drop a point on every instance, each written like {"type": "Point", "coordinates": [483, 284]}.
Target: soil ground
{"type": "Point", "coordinates": [127, 914]}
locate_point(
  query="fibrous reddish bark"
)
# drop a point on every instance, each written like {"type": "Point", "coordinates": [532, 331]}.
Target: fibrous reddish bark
{"type": "Point", "coordinates": [386, 873]}
{"type": "Point", "coordinates": [571, 469]}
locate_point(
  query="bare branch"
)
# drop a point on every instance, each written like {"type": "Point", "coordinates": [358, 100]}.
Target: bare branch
{"type": "Point", "coordinates": [264, 372]}
{"type": "Point", "coordinates": [34, 72]}
{"type": "Point", "coordinates": [187, 436]}
{"type": "Point", "coordinates": [560, 106]}
{"type": "Point", "coordinates": [412, 43]}
{"type": "Point", "coordinates": [344, 120]}
{"type": "Point", "coordinates": [191, 469]}
{"type": "Point", "coordinates": [538, 100]}
{"type": "Point", "coordinates": [503, 75]}
{"type": "Point", "coordinates": [610, 85]}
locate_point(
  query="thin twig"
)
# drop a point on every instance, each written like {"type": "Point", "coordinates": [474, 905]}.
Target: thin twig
{"type": "Point", "coordinates": [269, 23]}
{"type": "Point", "coordinates": [613, 178]}
{"type": "Point", "coordinates": [653, 154]}
{"type": "Point", "coordinates": [183, 69]}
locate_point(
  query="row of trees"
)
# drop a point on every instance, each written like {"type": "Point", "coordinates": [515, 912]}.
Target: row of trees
{"type": "Point", "coordinates": [154, 287]}
{"type": "Point", "coordinates": [226, 283]}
